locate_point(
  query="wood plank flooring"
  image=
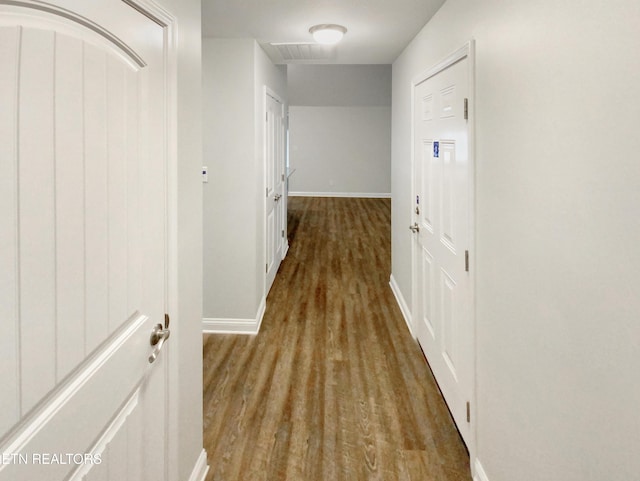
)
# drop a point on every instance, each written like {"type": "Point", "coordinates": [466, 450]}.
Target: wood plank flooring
{"type": "Point", "coordinates": [333, 387]}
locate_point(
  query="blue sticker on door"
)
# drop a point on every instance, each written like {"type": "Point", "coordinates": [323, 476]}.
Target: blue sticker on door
{"type": "Point", "coordinates": [436, 149]}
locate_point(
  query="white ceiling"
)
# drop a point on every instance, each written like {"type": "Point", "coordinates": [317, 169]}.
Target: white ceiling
{"type": "Point", "coordinates": [377, 30]}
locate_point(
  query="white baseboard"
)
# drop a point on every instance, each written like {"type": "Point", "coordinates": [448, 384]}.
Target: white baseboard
{"type": "Point", "coordinates": [201, 468]}
{"type": "Point", "coordinates": [479, 475]}
{"type": "Point", "coordinates": [359, 195]}
{"type": "Point", "coordinates": [260, 315]}
{"type": "Point", "coordinates": [404, 308]}
{"type": "Point", "coordinates": [234, 326]}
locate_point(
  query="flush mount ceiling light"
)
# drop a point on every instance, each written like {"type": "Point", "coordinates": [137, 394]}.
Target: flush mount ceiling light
{"type": "Point", "coordinates": [327, 34]}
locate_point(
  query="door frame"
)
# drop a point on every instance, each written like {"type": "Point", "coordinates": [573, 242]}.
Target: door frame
{"type": "Point", "coordinates": [466, 51]}
{"type": "Point", "coordinates": [168, 22]}
{"type": "Point", "coordinates": [267, 92]}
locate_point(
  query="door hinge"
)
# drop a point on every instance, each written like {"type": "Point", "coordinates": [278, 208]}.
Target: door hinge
{"type": "Point", "coordinates": [282, 177]}
{"type": "Point", "coordinates": [266, 268]}
{"type": "Point", "coordinates": [468, 412]}
{"type": "Point", "coordinates": [466, 109]}
{"type": "Point", "coordinates": [466, 261]}
{"type": "Point", "coordinates": [266, 191]}
{"type": "Point", "coordinates": [266, 116]}
{"type": "Point", "coordinates": [282, 232]}
{"type": "Point", "coordinates": [167, 321]}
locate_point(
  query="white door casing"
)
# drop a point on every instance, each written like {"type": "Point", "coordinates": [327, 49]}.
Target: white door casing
{"type": "Point", "coordinates": [274, 171]}
{"type": "Point", "coordinates": [83, 248]}
{"type": "Point", "coordinates": [442, 230]}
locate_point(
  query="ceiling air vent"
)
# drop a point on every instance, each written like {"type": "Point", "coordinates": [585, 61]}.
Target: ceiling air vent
{"type": "Point", "coordinates": [301, 52]}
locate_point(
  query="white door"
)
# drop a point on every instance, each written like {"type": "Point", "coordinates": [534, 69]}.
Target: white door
{"type": "Point", "coordinates": [442, 214]}
{"type": "Point", "coordinates": [82, 241]}
{"type": "Point", "coordinates": [274, 180]}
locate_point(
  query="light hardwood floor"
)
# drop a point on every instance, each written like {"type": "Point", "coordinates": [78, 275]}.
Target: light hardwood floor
{"type": "Point", "coordinates": [333, 387]}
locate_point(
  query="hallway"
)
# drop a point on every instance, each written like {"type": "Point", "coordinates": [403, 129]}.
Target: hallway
{"type": "Point", "coordinates": [333, 387]}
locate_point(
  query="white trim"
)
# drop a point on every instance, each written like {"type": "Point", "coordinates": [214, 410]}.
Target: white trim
{"type": "Point", "coordinates": [402, 304]}
{"type": "Point", "coordinates": [479, 475]}
{"type": "Point", "coordinates": [211, 325]}
{"type": "Point", "coordinates": [218, 325]}
{"type": "Point", "coordinates": [464, 51]}
{"type": "Point", "coordinates": [201, 468]}
{"type": "Point", "coordinates": [159, 14]}
{"type": "Point", "coordinates": [472, 160]}
{"type": "Point", "coordinates": [261, 309]}
{"type": "Point", "coordinates": [359, 195]}
{"type": "Point", "coordinates": [163, 17]}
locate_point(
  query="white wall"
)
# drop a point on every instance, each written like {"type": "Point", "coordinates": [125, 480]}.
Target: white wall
{"type": "Point", "coordinates": [230, 195]}
{"type": "Point", "coordinates": [322, 85]}
{"type": "Point", "coordinates": [340, 129]}
{"type": "Point", "coordinates": [340, 150]}
{"type": "Point", "coordinates": [234, 73]}
{"type": "Point", "coordinates": [557, 263]}
{"type": "Point", "coordinates": [186, 340]}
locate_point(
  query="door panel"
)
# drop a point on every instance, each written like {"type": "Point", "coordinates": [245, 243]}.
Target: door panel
{"type": "Point", "coordinates": [441, 182]}
{"type": "Point", "coordinates": [426, 289]}
{"type": "Point", "coordinates": [117, 106]}
{"type": "Point", "coordinates": [447, 309]}
{"type": "Point", "coordinates": [10, 398]}
{"type": "Point", "coordinates": [69, 203]}
{"type": "Point", "coordinates": [82, 410]}
{"type": "Point", "coordinates": [280, 181]}
{"type": "Point", "coordinates": [95, 196]}
{"type": "Point", "coordinates": [82, 241]}
{"type": "Point", "coordinates": [426, 188]}
{"type": "Point", "coordinates": [271, 249]}
{"type": "Point", "coordinates": [36, 215]}
{"type": "Point", "coordinates": [449, 194]}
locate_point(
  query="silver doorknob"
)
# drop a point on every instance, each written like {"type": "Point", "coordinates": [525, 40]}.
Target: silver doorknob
{"type": "Point", "coordinates": [277, 197]}
{"type": "Point", "coordinates": [158, 337]}
{"type": "Point", "coordinates": [414, 228]}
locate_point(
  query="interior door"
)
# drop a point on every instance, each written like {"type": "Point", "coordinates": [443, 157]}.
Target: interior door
{"type": "Point", "coordinates": [442, 310]}
{"type": "Point", "coordinates": [275, 182]}
{"type": "Point", "coordinates": [82, 241]}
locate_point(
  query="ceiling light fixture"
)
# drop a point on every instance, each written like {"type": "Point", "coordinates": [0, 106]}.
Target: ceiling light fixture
{"type": "Point", "coordinates": [327, 34]}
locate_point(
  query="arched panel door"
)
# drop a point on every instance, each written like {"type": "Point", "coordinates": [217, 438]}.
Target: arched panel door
{"type": "Point", "coordinates": [82, 241]}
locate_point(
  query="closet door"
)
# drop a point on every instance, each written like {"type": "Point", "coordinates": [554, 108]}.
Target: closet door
{"type": "Point", "coordinates": [275, 206]}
